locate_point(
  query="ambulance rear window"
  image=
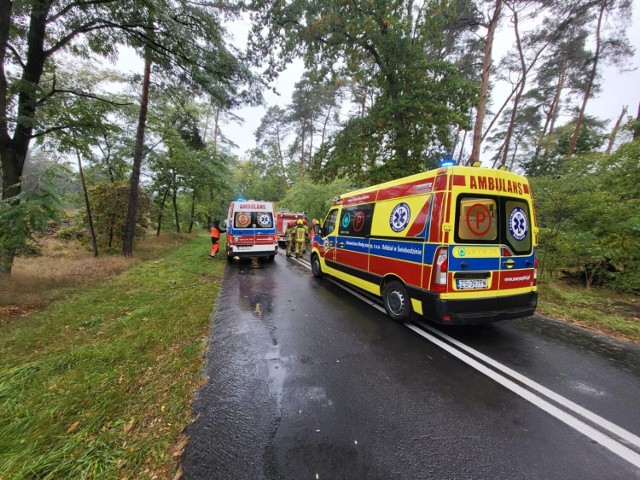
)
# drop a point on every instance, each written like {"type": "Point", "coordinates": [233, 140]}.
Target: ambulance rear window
{"type": "Point", "coordinates": [476, 219]}
{"type": "Point", "coordinates": [518, 227]}
{"type": "Point", "coordinates": [253, 220]}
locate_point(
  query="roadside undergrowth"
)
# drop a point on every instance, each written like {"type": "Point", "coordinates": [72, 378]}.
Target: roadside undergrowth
{"type": "Point", "coordinates": [599, 310]}
{"type": "Point", "coordinates": [99, 385]}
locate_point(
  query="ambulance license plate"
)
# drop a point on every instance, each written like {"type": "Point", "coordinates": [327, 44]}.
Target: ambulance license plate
{"type": "Point", "coordinates": [467, 284]}
{"type": "Point", "coordinates": [243, 247]}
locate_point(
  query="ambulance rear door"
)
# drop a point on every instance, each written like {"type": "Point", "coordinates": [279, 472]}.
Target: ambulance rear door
{"type": "Point", "coordinates": [493, 253]}
{"type": "Point", "coordinates": [517, 264]}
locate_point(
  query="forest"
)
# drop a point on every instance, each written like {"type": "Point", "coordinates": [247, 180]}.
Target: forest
{"type": "Point", "coordinates": [389, 88]}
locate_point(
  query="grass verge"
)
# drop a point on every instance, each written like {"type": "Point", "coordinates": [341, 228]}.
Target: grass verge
{"type": "Point", "coordinates": [99, 385]}
{"type": "Point", "coordinates": [598, 310]}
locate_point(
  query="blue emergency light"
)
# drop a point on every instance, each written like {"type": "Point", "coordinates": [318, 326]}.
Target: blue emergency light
{"type": "Point", "coordinates": [447, 162]}
{"type": "Point", "coordinates": [239, 198]}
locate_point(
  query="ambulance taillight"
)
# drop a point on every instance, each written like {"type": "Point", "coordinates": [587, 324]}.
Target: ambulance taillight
{"type": "Point", "coordinates": [535, 271]}
{"type": "Point", "coordinates": [440, 271]}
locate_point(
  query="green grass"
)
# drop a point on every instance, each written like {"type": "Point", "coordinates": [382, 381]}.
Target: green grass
{"type": "Point", "coordinates": [99, 385]}
{"type": "Point", "coordinates": [596, 309]}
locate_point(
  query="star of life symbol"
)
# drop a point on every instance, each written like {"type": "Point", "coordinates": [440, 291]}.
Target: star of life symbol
{"type": "Point", "coordinates": [400, 216]}
{"type": "Point", "coordinates": [264, 220]}
{"type": "Point", "coordinates": [518, 224]}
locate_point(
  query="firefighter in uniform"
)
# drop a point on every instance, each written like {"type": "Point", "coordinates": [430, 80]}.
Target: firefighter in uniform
{"type": "Point", "coordinates": [289, 232]}
{"type": "Point", "coordinates": [307, 237]}
{"type": "Point", "coordinates": [300, 235]}
{"type": "Point", "coordinates": [215, 238]}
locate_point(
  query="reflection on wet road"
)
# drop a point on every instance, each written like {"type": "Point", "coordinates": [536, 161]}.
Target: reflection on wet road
{"type": "Point", "coordinates": [307, 381]}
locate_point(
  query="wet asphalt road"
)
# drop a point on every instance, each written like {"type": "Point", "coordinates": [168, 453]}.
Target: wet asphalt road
{"type": "Point", "coordinates": [307, 382]}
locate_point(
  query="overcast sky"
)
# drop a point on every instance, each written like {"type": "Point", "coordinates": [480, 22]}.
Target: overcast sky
{"type": "Point", "coordinates": [618, 88]}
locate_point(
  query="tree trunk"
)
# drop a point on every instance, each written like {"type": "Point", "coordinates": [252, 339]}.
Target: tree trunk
{"type": "Point", "coordinates": [484, 85]}
{"type": "Point", "coordinates": [592, 78]}
{"type": "Point", "coordinates": [464, 139]}
{"type": "Point", "coordinates": [13, 150]}
{"type": "Point", "coordinates": [193, 211]}
{"type": "Point", "coordinates": [174, 199]}
{"type": "Point", "coordinates": [92, 232]}
{"type": "Point", "coordinates": [553, 112]}
{"type": "Point", "coordinates": [520, 89]}
{"type": "Point", "coordinates": [10, 188]}
{"type": "Point", "coordinates": [132, 210]}
{"type": "Point", "coordinates": [614, 133]}
{"type": "Point", "coordinates": [164, 199]}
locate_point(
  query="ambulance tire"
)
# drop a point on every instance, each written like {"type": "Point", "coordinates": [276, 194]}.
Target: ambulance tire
{"type": "Point", "coordinates": [316, 268]}
{"type": "Point", "coordinates": [396, 301]}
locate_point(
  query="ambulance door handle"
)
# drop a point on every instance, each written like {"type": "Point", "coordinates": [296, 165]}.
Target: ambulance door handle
{"type": "Point", "coordinates": [529, 263]}
{"type": "Point", "coordinates": [464, 264]}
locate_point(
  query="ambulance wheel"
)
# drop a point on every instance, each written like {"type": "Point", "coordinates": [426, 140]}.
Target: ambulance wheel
{"type": "Point", "coordinates": [316, 268]}
{"type": "Point", "coordinates": [396, 301]}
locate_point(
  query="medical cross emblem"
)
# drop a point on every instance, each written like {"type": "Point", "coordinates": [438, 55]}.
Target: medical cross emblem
{"type": "Point", "coordinates": [400, 216]}
{"type": "Point", "coordinates": [518, 224]}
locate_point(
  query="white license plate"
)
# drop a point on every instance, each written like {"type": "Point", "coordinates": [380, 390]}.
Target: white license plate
{"type": "Point", "coordinates": [468, 284]}
{"type": "Point", "coordinates": [244, 247]}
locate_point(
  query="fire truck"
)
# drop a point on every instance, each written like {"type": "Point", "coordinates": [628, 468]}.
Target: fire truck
{"type": "Point", "coordinates": [283, 218]}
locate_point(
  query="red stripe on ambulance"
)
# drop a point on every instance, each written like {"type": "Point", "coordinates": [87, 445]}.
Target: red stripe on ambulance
{"type": "Point", "coordinates": [411, 272]}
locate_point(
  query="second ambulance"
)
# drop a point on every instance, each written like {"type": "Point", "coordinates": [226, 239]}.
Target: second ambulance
{"type": "Point", "coordinates": [251, 230]}
{"type": "Point", "coordinates": [455, 245]}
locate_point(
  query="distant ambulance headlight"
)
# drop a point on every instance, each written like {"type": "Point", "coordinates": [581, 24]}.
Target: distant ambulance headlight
{"type": "Point", "coordinates": [235, 239]}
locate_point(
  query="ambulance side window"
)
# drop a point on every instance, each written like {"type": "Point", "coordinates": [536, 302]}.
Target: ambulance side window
{"type": "Point", "coordinates": [355, 221]}
{"type": "Point", "coordinates": [330, 222]}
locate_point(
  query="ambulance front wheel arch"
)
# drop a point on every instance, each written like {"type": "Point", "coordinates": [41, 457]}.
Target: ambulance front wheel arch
{"type": "Point", "coordinates": [316, 267]}
{"type": "Point", "coordinates": [396, 300]}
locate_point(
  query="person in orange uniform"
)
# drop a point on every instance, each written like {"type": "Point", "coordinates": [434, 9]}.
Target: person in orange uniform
{"type": "Point", "coordinates": [215, 238]}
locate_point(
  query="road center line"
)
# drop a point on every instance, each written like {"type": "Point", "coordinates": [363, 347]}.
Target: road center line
{"type": "Point", "coordinates": [565, 402]}
{"type": "Point", "coordinates": [609, 443]}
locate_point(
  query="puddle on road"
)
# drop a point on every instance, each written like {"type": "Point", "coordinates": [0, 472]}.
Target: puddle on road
{"type": "Point", "coordinates": [277, 372]}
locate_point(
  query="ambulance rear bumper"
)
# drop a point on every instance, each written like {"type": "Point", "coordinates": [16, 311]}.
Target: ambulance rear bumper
{"type": "Point", "coordinates": [478, 311]}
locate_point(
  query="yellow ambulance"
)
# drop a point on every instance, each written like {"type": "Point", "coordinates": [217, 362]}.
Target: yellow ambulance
{"type": "Point", "coordinates": [455, 245]}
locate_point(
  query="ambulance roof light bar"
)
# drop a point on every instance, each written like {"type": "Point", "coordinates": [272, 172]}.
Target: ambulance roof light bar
{"type": "Point", "coordinates": [447, 162]}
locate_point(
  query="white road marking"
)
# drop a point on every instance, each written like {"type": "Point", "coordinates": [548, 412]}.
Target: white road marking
{"type": "Point", "coordinates": [603, 439]}
{"type": "Point", "coordinates": [565, 402]}
{"type": "Point", "coordinates": [609, 443]}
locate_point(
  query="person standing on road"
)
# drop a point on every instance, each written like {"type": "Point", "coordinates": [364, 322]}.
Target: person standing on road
{"type": "Point", "coordinates": [289, 232]}
{"type": "Point", "coordinates": [315, 229]}
{"type": "Point", "coordinates": [300, 238]}
{"type": "Point", "coordinates": [215, 238]}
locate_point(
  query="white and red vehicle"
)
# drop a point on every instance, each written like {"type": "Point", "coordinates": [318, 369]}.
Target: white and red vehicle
{"type": "Point", "coordinates": [251, 230]}
{"type": "Point", "coordinates": [283, 218]}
